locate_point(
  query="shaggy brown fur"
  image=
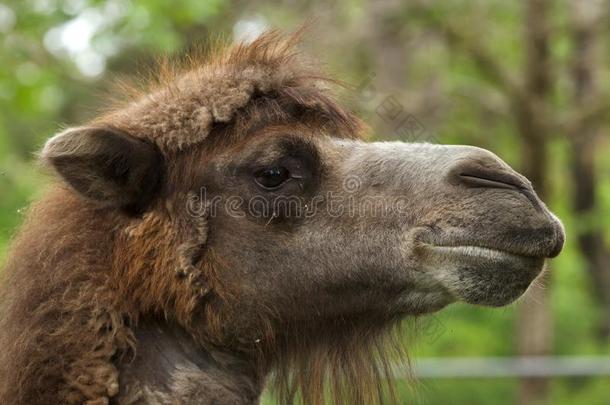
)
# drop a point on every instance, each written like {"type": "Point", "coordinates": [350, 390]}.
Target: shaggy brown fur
{"type": "Point", "coordinates": [181, 103]}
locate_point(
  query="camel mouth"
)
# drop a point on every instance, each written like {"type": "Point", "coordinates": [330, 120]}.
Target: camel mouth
{"type": "Point", "coordinates": [481, 252]}
{"type": "Point", "coordinates": [481, 275]}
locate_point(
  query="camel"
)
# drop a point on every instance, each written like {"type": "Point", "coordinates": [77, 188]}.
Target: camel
{"type": "Point", "coordinates": [206, 236]}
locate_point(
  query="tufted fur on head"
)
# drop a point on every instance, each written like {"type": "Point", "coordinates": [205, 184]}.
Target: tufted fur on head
{"type": "Point", "coordinates": [185, 100]}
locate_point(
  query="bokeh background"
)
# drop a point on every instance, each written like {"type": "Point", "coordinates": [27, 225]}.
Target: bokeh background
{"type": "Point", "coordinates": [527, 79]}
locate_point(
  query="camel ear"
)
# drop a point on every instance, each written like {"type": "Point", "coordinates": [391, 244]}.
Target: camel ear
{"type": "Point", "coordinates": [106, 165]}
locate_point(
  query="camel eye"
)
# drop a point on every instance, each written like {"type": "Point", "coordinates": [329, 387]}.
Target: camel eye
{"type": "Point", "coordinates": [272, 177]}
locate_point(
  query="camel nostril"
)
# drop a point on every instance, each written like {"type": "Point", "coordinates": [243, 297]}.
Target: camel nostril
{"type": "Point", "coordinates": [483, 170]}
{"type": "Point", "coordinates": [479, 177]}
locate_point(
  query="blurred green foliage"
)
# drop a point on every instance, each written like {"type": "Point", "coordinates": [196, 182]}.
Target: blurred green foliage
{"type": "Point", "coordinates": [53, 69]}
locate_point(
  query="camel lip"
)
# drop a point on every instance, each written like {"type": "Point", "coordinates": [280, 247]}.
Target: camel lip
{"type": "Point", "coordinates": [481, 252]}
{"type": "Point", "coordinates": [503, 247]}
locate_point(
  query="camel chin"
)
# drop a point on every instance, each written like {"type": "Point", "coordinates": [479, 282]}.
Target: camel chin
{"type": "Point", "coordinates": [480, 275]}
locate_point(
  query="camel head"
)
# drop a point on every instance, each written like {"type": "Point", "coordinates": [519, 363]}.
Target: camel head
{"type": "Point", "coordinates": [252, 211]}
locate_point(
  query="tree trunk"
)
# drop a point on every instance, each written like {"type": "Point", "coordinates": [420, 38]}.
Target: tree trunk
{"type": "Point", "coordinates": [583, 141]}
{"type": "Point", "coordinates": [534, 323]}
{"type": "Point", "coordinates": [388, 62]}
{"type": "Point", "coordinates": [387, 47]}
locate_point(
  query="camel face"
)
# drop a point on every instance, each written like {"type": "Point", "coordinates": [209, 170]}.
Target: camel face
{"type": "Point", "coordinates": [315, 225]}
